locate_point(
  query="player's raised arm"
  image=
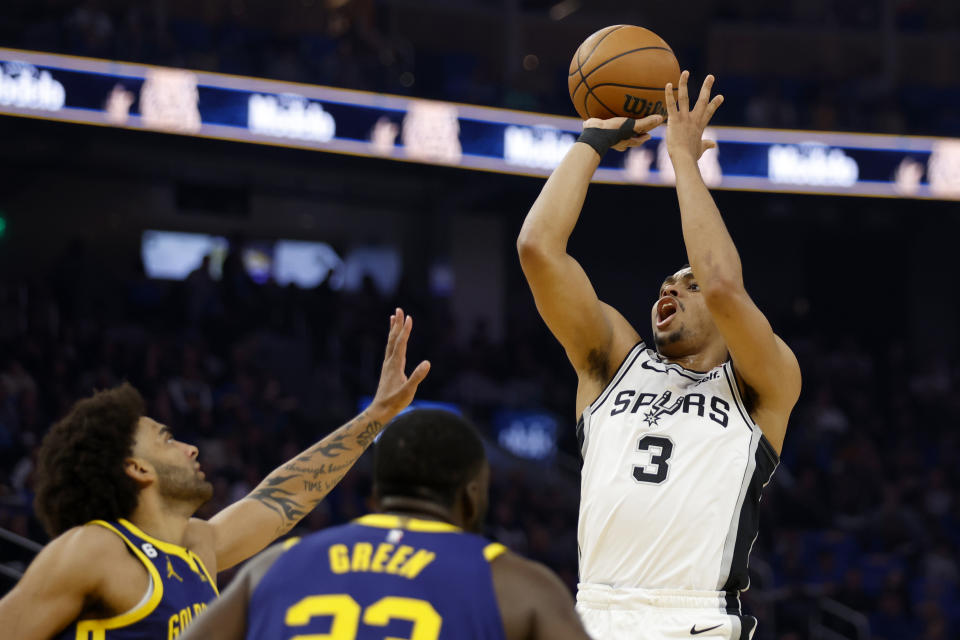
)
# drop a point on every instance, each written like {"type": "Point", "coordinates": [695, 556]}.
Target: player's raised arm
{"type": "Point", "coordinates": [292, 490]}
{"type": "Point", "coordinates": [564, 295]}
{"type": "Point", "coordinates": [57, 585]}
{"type": "Point", "coordinates": [763, 361]}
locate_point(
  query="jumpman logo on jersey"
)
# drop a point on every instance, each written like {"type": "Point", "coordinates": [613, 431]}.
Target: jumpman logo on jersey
{"type": "Point", "coordinates": [171, 573]}
{"type": "Point", "coordinates": [660, 408]}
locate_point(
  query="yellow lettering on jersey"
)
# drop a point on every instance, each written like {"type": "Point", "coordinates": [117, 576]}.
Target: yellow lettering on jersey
{"type": "Point", "coordinates": [417, 563]}
{"type": "Point", "coordinates": [343, 608]}
{"type": "Point", "coordinates": [179, 621]}
{"type": "Point", "coordinates": [398, 558]}
{"type": "Point", "coordinates": [426, 621]}
{"type": "Point", "coordinates": [339, 558]}
{"type": "Point", "coordinates": [404, 561]}
{"type": "Point", "coordinates": [383, 552]}
{"type": "Point", "coordinates": [361, 556]}
{"type": "Point", "coordinates": [345, 614]}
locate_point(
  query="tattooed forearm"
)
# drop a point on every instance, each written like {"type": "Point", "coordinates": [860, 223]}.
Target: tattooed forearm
{"type": "Point", "coordinates": [276, 479]}
{"type": "Point", "coordinates": [323, 487]}
{"type": "Point", "coordinates": [323, 469]}
{"type": "Point", "coordinates": [369, 432]}
{"type": "Point", "coordinates": [282, 502]}
{"type": "Point", "coordinates": [332, 446]}
{"type": "Point", "coordinates": [297, 486]}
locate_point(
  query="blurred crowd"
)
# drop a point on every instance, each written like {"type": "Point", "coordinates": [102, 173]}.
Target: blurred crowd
{"type": "Point", "coordinates": [357, 44]}
{"type": "Point", "coordinates": [863, 509]}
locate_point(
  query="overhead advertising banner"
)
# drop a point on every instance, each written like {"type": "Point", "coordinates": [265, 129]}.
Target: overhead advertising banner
{"type": "Point", "coordinates": [211, 105]}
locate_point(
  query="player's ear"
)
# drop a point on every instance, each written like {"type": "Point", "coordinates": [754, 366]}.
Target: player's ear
{"type": "Point", "coordinates": [472, 503]}
{"type": "Point", "coordinates": [140, 470]}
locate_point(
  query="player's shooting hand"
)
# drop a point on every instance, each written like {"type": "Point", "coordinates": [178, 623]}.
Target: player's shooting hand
{"type": "Point", "coordinates": [685, 125]}
{"type": "Point", "coordinates": [396, 389]}
{"type": "Point", "coordinates": [640, 129]}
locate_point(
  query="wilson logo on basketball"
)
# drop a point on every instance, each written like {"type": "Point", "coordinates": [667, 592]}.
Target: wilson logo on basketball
{"type": "Point", "coordinates": [643, 108]}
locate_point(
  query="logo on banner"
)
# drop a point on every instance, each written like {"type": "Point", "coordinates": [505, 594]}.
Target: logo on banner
{"type": "Point", "coordinates": [811, 163]}
{"type": "Point", "coordinates": [289, 116]}
{"type": "Point", "coordinates": [943, 169]}
{"type": "Point", "coordinates": [541, 147]}
{"type": "Point", "coordinates": [431, 132]}
{"type": "Point", "coordinates": [117, 106]}
{"type": "Point", "coordinates": [169, 101]}
{"type": "Point", "coordinates": [24, 86]}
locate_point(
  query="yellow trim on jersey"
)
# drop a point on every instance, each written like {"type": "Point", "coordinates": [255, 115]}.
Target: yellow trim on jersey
{"type": "Point", "coordinates": [493, 551]}
{"type": "Point", "coordinates": [385, 521]}
{"type": "Point", "coordinates": [210, 579]}
{"type": "Point", "coordinates": [289, 542]}
{"type": "Point", "coordinates": [97, 629]}
{"type": "Point", "coordinates": [192, 559]}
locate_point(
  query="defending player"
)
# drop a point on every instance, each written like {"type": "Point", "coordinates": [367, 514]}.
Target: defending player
{"type": "Point", "coordinates": [677, 441]}
{"type": "Point", "coordinates": [414, 571]}
{"type": "Point", "coordinates": [119, 491]}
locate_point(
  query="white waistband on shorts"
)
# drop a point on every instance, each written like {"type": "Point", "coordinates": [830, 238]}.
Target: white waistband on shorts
{"type": "Point", "coordinates": [601, 596]}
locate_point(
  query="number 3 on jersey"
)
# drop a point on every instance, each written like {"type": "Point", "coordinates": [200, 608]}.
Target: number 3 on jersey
{"type": "Point", "coordinates": [346, 616]}
{"type": "Point", "coordinates": [655, 471]}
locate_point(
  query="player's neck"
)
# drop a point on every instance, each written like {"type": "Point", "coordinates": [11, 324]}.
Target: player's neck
{"type": "Point", "coordinates": [160, 520]}
{"type": "Point", "coordinates": [414, 508]}
{"type": "Point", "coordinates": [702, 360]}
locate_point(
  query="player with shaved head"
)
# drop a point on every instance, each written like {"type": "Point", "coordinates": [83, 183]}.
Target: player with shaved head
{"type": "Point", "coordinates": [677, 440]}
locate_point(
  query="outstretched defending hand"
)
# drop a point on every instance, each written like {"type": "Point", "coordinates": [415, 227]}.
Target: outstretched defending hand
{"type": "Point", "coordinates": [396, 390]}
{"type": "Point", "coordinates": [685, 126]}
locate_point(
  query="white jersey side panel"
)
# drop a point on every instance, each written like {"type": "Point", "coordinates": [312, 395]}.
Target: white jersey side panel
{"type": "Point", "coordinates": [672, 474]}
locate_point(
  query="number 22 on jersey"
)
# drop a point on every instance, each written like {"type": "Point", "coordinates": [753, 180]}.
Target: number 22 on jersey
{"type": "Point", "coordinates": [346, 614]}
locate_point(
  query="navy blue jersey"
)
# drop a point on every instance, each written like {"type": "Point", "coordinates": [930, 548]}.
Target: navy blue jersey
{"type": "Point", "coordinates": [180, 588]}
{"type": "Point", "coordinates": [381, 576]}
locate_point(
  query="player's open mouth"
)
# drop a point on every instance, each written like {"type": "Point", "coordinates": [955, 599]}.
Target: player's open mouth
{"type": "Point", "coordinates": [666, 310]}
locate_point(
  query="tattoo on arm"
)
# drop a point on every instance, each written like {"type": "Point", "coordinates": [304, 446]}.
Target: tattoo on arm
{"type": "Point", "coordinates": [281, 501]}
{"type": "Point", "coordinates": [365, 437]}
{"type": "Point", "coordinates": [334, 447]}
{"type": "Point", "coordinates": [322, 486]}
{"type": "Point", "coordinates": [281, 491]}
{"type": "Point", "coordinates": [315, 471]}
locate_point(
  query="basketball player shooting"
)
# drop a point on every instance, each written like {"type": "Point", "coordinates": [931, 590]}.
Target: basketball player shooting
{"type": "Point", "coordinates": [677, 441]}
{"type": "Point", "coordinates": [119, 492]}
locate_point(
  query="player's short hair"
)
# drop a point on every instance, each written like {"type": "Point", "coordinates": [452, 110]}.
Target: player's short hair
{"type": "Point", "coordinates": [685, 266]}
{"type": "Point", "coordinates": [428, 454]}
{"type": "Point", "coordinates": [81, 473]}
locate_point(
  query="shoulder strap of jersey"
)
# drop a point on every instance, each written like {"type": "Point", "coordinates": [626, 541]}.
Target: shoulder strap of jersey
{"type": "Point", "coordinates": [188, 556]}
{"type": "Point", "coordinates": [389, 521]}
{"type": "Point", "coordinates": [96, 629]}
{"type": "Point", "coordinates": [621, 371]}
{"type": "Point", "coordinates": [493, 551]}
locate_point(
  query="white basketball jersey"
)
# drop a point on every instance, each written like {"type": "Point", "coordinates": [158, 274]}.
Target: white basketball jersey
{"type": "Point", "coordinates": [673, 468]}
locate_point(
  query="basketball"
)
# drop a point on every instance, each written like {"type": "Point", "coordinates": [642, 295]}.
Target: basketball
{"type": "Point", "coordinates": [621, 70]}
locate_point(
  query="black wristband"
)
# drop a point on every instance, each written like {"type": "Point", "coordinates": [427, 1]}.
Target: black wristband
{"type": "Point", "coordinates": [602, 139]}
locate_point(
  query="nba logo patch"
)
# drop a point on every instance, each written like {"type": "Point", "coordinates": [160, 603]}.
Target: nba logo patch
{"type": "Point", "coordinates": [395, 536]}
